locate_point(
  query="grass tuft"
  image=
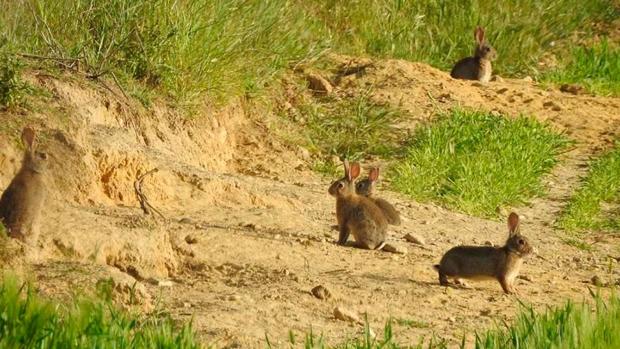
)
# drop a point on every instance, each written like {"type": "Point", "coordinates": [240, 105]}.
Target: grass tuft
{"type": "Point", "coordinates": [27, 321]}
{"type": "Point", "coordinates": [476, 162]}
{"type": "Point", "coordinates": [596, 67]}
{"type": "Point", "coordinates": [350, 128]}
{"type": "Point", "coordinates": [594, 206]}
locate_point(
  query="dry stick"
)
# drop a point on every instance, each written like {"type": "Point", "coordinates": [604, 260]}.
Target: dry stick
{"type": "Point", "coordinates": [144, 202]}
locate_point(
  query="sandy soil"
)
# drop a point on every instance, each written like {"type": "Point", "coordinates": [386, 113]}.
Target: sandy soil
{"type": "Point", "coordinates": [247, 230]}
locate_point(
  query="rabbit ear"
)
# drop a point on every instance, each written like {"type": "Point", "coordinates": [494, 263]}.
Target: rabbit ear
{"type": "Point", "coordinates": [28, 138]}
{"type": "Point", "coordinates": [513, 224]}
{"type": "Point", "coordinates": [355, 171]}
{"type": "Point", "coordinates": [479, 35]}
{"type": "Point", "coordinates": [345, 163]}
{"type": "Point", "coordinates": [373, 175]}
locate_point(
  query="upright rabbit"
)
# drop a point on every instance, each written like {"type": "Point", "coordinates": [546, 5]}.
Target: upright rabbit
{"type": "Point", "coordinates": [22, 201]}
{"type": "Point", "coordinates": [477, 67]}
{"type": "Point", "coordinates": [357, 214]}
{"type": "Point", "coordinates": [366, 187]}
{"type": "Point", "coordinates": [487, 262]}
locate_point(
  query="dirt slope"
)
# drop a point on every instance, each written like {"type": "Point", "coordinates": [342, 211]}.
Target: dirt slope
{"type": "Point", "coordinates": [248, 230]}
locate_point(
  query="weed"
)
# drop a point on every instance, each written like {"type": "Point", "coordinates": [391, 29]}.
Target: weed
{"type": "Point", "coordinates": [476, 162]}
{"type": "Point", "coordinates": [601, 187]}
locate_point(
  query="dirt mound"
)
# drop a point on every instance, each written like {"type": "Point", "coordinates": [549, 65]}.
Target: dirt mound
{"type": "Point", "coordinates": [422, 91]}
{"type": "Point", "coordinates": [248, 232]}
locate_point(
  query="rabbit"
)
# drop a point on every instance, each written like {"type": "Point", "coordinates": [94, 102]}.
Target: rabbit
{"type": "Point", "coordinates": [487, 262]}
{"type": "Point", "coordinates": [477, 67]}
{"type": "Point", "coordinates": [366, 186]}
{"type": "Point", "coordinates": [357, 214]}
{"type": "Point", "coordinates": [22, 201]}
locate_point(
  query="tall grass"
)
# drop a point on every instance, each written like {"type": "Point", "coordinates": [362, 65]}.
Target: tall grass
{"type": "Point", "coordinates": [596, 67]}
{"type": "Point", "coordinates": [27, 321]}
{"type": "Point", "coordinates": [600, 188]}
{"type": "Point", "coordinates": [441, 32]}
{"type": "Point", "coordinates": [182, 48]}
{"type": "Point", "coordinates": [222, 48]}
{"type": "Point", "coordinates": [476, 162]}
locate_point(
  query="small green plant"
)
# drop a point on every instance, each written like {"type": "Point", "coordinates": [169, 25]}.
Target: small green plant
{"type": "Point", "coordinates": [594, 206]}
{"type": "Point", "coordinates": [11, 86]}
{"type": "Point", "coordinates": [411, 323]}
{"type": "Point", "coordinates": [351, 128]}
{"type": "Point", "coordinates": [27, 321]}
{"type": "Point", "coordinates": [476, 162]}
{"type": "Point", "coordinates": [596, 67]}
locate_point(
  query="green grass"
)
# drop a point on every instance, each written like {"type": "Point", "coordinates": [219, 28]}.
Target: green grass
{"type": "Point", "coordinates": [349, 128]}
{"type": "Point", "coordinates": [221, 49]}
{"type": "Point", "coordinates": [573, 325]}
{"type": "Point", "coordinates": [441, 32]}
{"type": "Point", "coordinates": [184, 49]}
{"type": "Point", "coordinates": [476, 162]}
{"type": "Point", "coordinates": [570, 326]}
{"type": "Point", "coordinates": [597, 68]}
{"type": "Point", "coordinates": [599, 189]}
{"type": "Point", "coordinates": [28, 321]}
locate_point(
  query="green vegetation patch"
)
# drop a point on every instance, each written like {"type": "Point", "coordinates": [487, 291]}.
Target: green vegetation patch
{"type": "Point", "coordinates": [576, 326]}
{"type": "Point", "coordinates": [476, 162]}
{"type": "Point", "coordinates": [596, 204]}
{"type": "Point", "coordinates": [597, 68]}
{"type": "Point", "coordinates": [27, 321]}
{"type": "Point", "coordinates": [441, 32]}
{"type": "Point", "coordinates": [570, 326]}
{"type": "Point", "coordinates": [353, 128]}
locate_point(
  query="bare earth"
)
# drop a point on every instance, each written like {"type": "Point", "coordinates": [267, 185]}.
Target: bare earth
{"type": "Point", "coordinates": [247, 230]}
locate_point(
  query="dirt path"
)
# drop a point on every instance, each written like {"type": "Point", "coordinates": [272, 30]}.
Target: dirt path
{"type": "Point", "coordinates": [248, 231]}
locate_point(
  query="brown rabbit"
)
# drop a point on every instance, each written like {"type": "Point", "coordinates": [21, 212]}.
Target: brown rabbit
{"type": "Point", "coordinates": [477, 67]}
{"type": "Point", "coordinates": [357, 214]}
{"type": "Point", "coordinates": [487, 262]}
{"type": "Point", "coordinates": [366, 187]}
{"type": "Point", "coordinates": [22, 201]}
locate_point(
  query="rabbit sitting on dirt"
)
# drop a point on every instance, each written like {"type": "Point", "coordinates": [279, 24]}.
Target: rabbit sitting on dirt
{"type": "Point", "coordinates": [357, 214]}
{"type": "Point", "coordinates": [22, 201]}
{"type": "Point", "coordinates": [487, 262]}
{"type": "Point", "coordinates": [477, 67]}
{"type": "Point", "coordinates": [366, 187]}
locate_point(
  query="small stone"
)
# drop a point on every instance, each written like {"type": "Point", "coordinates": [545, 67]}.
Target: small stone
{"type": "Point", "coordinates": [394, 248]}
{"type": "Point", "coordinates": [452, 319]}
{"type": "Point", "coordinates": [572, 89]}
{"type": "Point", "coordinates": [528, 79]}
{"type": "Point", "coordinates": [234, 297]}
{"type": "Point", "coordinates": [497, 78]}
{"type": "Point", "coordinates": [187, 305]}
{"type": "Point", "coordinates": [344, 314]}
{"type": "Point", "coordinates": [502, 90]}
{"type": "Point", "coordinates": [319, 84]}
{"type": "Point", "coordinates": [191, 239]}
{"type": "Point", "coordinates": [485, 312]}
{"type": "Point", "coordinates": [321, 292]}
{"type": "Point", "coordinates": [415, 239]}
{"type": "Point", "coordinates": [165, 283]}
{"type": "Point", "coordinates": [596, 281]}
{"type": "Point", "coordinates": [488, 243]}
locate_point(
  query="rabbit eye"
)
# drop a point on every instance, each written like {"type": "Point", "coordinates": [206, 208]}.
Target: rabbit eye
{"type": "Point", "coordinates": [340, 185]}
{"type": "Point", "coordinates": [42, 155]}
{"type": "Point", "coordinates": [521, 242]}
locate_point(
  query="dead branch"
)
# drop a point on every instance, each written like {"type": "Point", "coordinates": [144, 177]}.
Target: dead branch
{"type": "Point", "coordinates": [144, 202]}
